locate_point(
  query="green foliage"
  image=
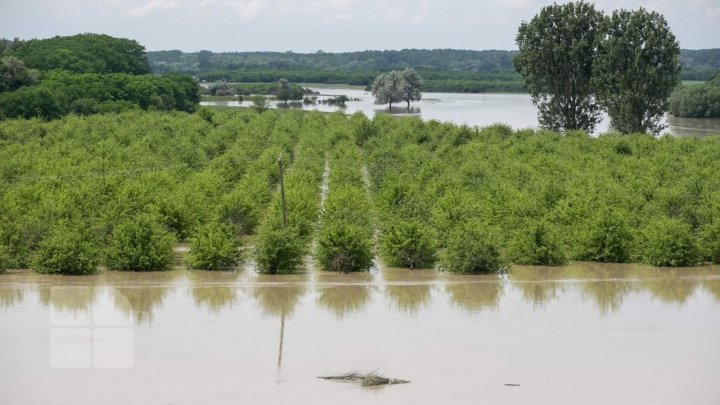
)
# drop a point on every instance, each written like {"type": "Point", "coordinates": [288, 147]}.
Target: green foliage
{"type": "Point", "coordinates": [344, 247]}
{"type": "Point", "coordinates": [66, 250]}
{"type": "Point", "coordinates": [538, 244]}
{"type": "Point", "coordinates": [408, 244]}
{"type": "Point", "coordinates": [557, 47]}
{"type": "Point", "coordinates": [709, 242]}
{"type": "Point", "coordinates": [214, 247]}
{"type": "Point", "coordinates": [278, 250]}
{"type": "Point", "coordinates": [60, 93]}
{"type": "Point", "coordinates": [695, 101]}
{"type": "Point", "coordinates": [669, 242]}
{"type": "Point", "coordinates": [636, 69]}
{"type": "Point", "coordinates": [474, 248]}
{"type": "Point", "coordinates": [14, 74]}
{"type": "Point", "coordinates": [259, 103]}
{"type": "Point", "coordinates": [5, 258]}
{"type": "Point", "coordinates": [85, 53]}
{"type": "Point", "coordinates": [140, 244]}
{"type": "Point", "coordinates": [206, 114]}
{"type": "Point", "coordinates": [606, 239]}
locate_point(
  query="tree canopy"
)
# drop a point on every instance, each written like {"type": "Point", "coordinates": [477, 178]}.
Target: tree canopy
{"type": "Point", "coordinates": [396, 86]}
{"type": "Point", "coordinates": [84, 53]}
{"type": "Point", "coordinates": [557, 49]}
{"type": "Point", "coordinates": [636, 70]}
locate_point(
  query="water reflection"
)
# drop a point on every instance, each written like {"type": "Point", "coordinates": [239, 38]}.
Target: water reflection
{"type": "Point", "coordinates": [606, 284]}
{"type": "Point", "coordinates": [473, 296]}
{"type": "Point", "coordinates": [344, 294]}
{"type": "Point", "coordinates": [395, 110]}
{"type": "Point", "coordinates": [409, 290]}
{"type": "Point", "coordinates": [671, 285]}
{"type": "Point", "coordinates": [143, 293]}
{"type": "Point", "coordinates": [278, 295]}
{"type": "Point", "coordinates": [11, 296]}
{"type": "Point", "coordinates": [539, 285]}
{"type": "Point", "coordinates": [214, 289]}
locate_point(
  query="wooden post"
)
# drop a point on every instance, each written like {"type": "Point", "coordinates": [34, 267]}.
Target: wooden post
{"type": "Point", "coordinates": [282, 191]}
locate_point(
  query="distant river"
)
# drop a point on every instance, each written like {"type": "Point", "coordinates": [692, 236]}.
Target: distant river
{"type": "Point", "coordinates": [516, 110]}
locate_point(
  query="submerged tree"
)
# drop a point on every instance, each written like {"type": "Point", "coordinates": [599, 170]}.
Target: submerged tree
{"type": "Point", "coordinates": [636, 70]}
{"type": "Point", "coordinates": [557, 48]}
{"type": "Point", "coordinates": [396, 86]}
{"type": "Point", "coordinates": [284, 91]}
{"type": "Point", "coordinates": [412, 82]}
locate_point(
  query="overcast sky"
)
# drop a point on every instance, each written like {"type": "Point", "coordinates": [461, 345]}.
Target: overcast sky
{"type": "Point", "coordinates": [330, 25]}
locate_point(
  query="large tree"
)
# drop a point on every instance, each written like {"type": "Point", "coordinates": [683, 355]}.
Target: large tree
{"type": "Point", "coordinates": [387, 88]}
{"type": "Point", "coordinates": [636, 70]}
{"type": "Point", "coordinates": [557, 48]}
{"type": "Point", "coordinates": [411, 86]}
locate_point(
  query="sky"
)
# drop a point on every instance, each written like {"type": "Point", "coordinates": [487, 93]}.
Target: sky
{"type": "Point", "coordinates": [328, 25]}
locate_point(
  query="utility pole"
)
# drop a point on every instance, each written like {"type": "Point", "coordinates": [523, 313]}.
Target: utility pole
{"type": "Point", "coordinates": [282, 190]}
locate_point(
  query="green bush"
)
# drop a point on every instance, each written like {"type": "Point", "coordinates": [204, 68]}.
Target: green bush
{"type": "Point", "coordinates": [473, 248]}
{"type": "Point", "coordinates": [140, 244]}
{"type": "Point", "coordinates": [536, 245]}
{"type": "Point", "coordinates": [214, 247]}
{"type": "Point", "coordinates": [709, 242]}
{"type": "Point", "coordinates": [66, 250]}
{"type": "Point", "coordinates": [407, 244]}
{"type": "Point", "coordinates": [5, 259]}
{"type": "Point", "coordinates": [606, 239]}
{"type": "Point", "coordinates": [344, 248]}
{"type": "Point", "coordinates": [278, 250]}
{"type": "Point", "coordinates": [669, 242]}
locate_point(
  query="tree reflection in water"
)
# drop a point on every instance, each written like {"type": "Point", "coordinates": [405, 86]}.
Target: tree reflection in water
{"type": "Point", "coordinates": [539, 285]}
{"type": "Point", "coordinates": [344, 294]}
{"type": "Point", "coordinates": [140, 294]}
{"type": "Point", "coordinates": [476, 293]}
{"type": "Point", "coordinates": [214, 289]}
{"type": "Point", "coordinates": [409, 290]}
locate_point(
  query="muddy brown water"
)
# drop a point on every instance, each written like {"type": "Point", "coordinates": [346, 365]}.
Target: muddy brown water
{"type": "Point", "coordinates": [581, 334]}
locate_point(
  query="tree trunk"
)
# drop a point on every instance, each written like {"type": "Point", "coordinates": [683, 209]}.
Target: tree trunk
{"type": "Point", "coordinates": [408, 101]}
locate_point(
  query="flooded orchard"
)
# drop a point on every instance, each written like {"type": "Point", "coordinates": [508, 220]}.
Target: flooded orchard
{"type": "Point", "coordinates": [584, 333]}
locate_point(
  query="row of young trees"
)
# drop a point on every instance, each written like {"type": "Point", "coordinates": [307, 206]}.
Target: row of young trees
{"type": "Point", "coordinates": [397, 86]}
{"type": "Point", "coordinates": [577, 63]}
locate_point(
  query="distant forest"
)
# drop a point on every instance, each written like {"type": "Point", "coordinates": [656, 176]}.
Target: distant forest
{"type": "Point", "coordinates": [360, 67]}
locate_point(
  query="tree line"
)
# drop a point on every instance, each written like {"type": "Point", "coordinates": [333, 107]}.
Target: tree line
{"type": "Point", "coordinates": [85, 74]}
{"type": "Point", "coordinates": [578, 62]}
{"type": "Point", "coordinates": [697, 100]}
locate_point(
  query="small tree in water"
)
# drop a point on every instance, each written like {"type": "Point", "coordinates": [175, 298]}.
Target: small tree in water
{"type": "Point", "coordinates": [388, 88]}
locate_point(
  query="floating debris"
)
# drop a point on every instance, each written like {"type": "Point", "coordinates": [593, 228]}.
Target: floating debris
{"type": "Point", "coordinates": [512, 385]}
{"type": "Point", "coordinates": [372, 379]}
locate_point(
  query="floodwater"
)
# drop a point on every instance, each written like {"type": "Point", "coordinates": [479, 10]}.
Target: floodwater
{"type": "Point", "coordinates": [581, 334]}
{"type": "Point", "coordinates": [516, 110]}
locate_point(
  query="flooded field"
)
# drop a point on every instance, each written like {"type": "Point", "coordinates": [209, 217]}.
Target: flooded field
{"type": "Point", "coordinates": [581, 334]}
{"type": "Point", "coordinates": [516, 110]}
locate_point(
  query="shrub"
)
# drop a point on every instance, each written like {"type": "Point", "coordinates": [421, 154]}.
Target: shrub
{"type": "Point", "coordinates": [473, 248]}
{"type": "Point", "coordinates": [606, 239]}
{"type": "Point", "coordinates": [66, 250]}
{"type": "Point", "coordinates": [213, 247]}
{"type": "Point", "coordinates": [259, 103]}
{"type": "Point", "coordinates": [344, 248]}
{"type": "Point", "coordinates": [669, 242]}
{"type": "Point", "coordinates": [536, 245]}
{"type": "Point", "coordinates": [278, 250]}
{"type": "Point", "coordinates": [140, 244]}
{"type": "Point", "coordinates": [709, 242]}
{"type": "Point", "coordinates": [407, 244]}
{"type": "Point", "coordinates": [5, 259]}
